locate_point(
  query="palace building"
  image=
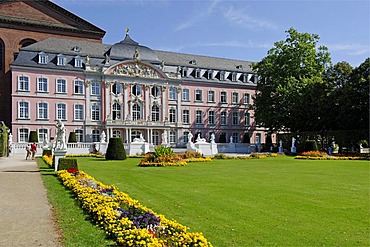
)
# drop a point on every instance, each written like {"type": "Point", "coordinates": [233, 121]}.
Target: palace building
{"type": "Point", "coordinates": [128, 89]}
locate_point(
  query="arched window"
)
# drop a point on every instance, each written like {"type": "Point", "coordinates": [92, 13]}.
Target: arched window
{"type": "Point", "coordinates": [116, 111]}
{"type": "Point", "coordinates": [136, 90]}
{"type": "Point", "coordinates": [136, 112]}
{"type": "Point", "coordinates": [155, 137]}
{"type": "Point", "coordinates": [26, 42]}
{"type": "Point", "coordinates": [135, 134]}
{"type": "Point", "coordinates": [155, 113]}
{"type": "Point", "coordinates": [155, 91]}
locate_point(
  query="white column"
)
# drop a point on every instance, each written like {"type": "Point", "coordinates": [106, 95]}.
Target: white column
{"type": "Point", "coordinates": [147, 102]}
{"type": "Point", "coordinates": [107, 99]}
{"type": "Point", "coordinates": [164, 103]}
{"type": "Point", "coordinates": [126, 136]}
{"type": "Point", "coordinates": [150, 141]}
{"type": "Point", "coordinates": [125, 102]}
{"type": "Point", "coordinates": [147, 136]}
{"type": "Point", "coordinates": [129, 135]}
{"type": "Point", "coordinates": [88, 103]}
{"type": "Point", "coordinates": [179, 113]}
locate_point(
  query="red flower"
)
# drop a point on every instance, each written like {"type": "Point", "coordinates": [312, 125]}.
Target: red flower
{"type": "Point", "coordinates": [72, 170]}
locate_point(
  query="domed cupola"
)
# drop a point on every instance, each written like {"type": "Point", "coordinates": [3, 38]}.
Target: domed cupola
{"type": "Point", "coordinates": [130, 49]}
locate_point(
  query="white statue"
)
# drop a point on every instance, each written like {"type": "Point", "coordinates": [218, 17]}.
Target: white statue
{"type": "Point", "coordinates": [190, 136]}
{"type": "Point", "coordinates": [10, 139]}
{"type": "Point", "coordinates": [293, 141]}
{"type": "Point", "coordinates": [231, 139]}
{"type": "Point", "coordinates": [199, 139]}
{"type": "Point", "coordinates": [102, 137]}
{"type": "Point", "coordinates": [164, 137]}
{"type": "Point", "coordinates": [60, 142]}
{"type": "Point", "coordinates": [212, 139]}
{"type": "Point", "coordinates": [140, 139]}
{"type": "Point", "coordinates": [281, 143]}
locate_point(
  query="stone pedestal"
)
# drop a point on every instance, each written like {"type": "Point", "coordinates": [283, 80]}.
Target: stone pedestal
{"type": "Point", "coordinates": [60, 153]}
{"type": "Point", "coordinates": [293, 150]}
{"type": "Point", "coordinates": [281, 150]}
{"type": "Point", "coordinates": [138, 148]}
{"type": "Point", "coordinates": [214, 149]}
{"type": "Point", "coordinates": [204, 148]}
{"type": "Point", "coordinates": [102, 148]}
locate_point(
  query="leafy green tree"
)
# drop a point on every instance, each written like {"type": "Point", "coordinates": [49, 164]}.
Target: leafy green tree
{"type": "Point", "coordinates": [291, 69]}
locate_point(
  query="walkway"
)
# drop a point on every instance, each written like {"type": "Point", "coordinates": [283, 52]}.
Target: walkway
{"type": "Point", "coordinates": [25, 213]}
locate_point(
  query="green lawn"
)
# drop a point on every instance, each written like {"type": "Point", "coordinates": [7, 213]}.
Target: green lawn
{"type": "Point", "coordinates": [259, 202]}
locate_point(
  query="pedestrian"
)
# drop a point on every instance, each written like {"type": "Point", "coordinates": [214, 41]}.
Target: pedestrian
{"type": "Point", "coordinates": [28, 149]}
{"type": "Point", "coordinates": [33, 150]}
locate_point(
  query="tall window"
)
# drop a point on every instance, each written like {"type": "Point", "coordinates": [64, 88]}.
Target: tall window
{"type": "Point", "coordinates": [235, 118]}
{"type": "Point", "coordinates": [95, 135]}
{"type": "Point", "coordinates": [78, 112]}
{"type": "Point", "coordinates": [172, 115]}
{"type": "Point", "coordinates": [223, 97]}
{"type": "Point", "coordinates": [246, 98]}
{"type": "Point", "coordinates": [116, 111]}
{"type": "Point", "coordinates": [235, 136]}
{"type": "Point", "coordinates": [61, 111]}
{"type": "Point", "coordinates": [79, 87]}
{"type": "Point", "coordinates": [136, 90]}
{"type": "Point", "coordinates": [61, 86]}
{"type": "Point", "coordinates": [95, 88]}
{"type": "Point", "coordinates": [185, 94]}
{"type": "Point", "coordinates": [79, 135]}
{"type": "Point", "coordinates": [185, 136]}
{"type": "Point", "coordinates": [211, 117]}
{"type": "Point", "coordinates": [223, 118]}
{"type": "Point", "coordinates": [155, 137]}
{"type": "Point", "coordinates": [155, 113]}
{"type": "Point", "coordinates": [42, 134]}
{"type": "Point", "coordinates": [23, 134]}
{"type": "Point", "coordinates": [42, 84]}
{"type": "Point", "coordinates": [185, 116]}
{"type": "Point", "coordinates": [23, 83]}
{"type": "Point", "coordinates": [198, 95]}
{"type": "Point", "coordinates": [172, 137]}
{"type": "Point", "coordinates": [235, 97]}
{"type": "Point", "coordinates": [23, 110]}
{"type": "Point", "coordinates": [211, 96]}
{"type": "Point", "coordinates": [247, 119]}
{"type": "Point", "coordinates": [156, 91]}
{"type": "Point", "coordinates": [42, 110]}
{"type": "Point", "coordinates": [172, 93]}
{"type": "Point", "coordinates": [136, 112]}
{"type": "Point", "coordinates": [198, 117]}
{"type": "Point", "coordinates": [95, 112]}
{"type": "Point", "coordinates": [117, 88]}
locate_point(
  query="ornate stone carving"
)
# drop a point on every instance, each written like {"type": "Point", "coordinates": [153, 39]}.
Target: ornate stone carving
{"type": "Point", "coordinates": [108, 84]}
{"type": "Point", "coordinates": [135, 70]}
{"type": "Point", "coordinates": [87, 83]}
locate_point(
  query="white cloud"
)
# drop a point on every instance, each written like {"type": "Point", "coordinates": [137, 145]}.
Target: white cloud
{"type": "Point", "coordinates": [354, 49]}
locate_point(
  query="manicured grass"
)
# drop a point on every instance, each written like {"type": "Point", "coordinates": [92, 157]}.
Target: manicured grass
{"type": "Point", "coordinates": [258, 202]}
{"type": "Point", "coordinates": [74, 227]}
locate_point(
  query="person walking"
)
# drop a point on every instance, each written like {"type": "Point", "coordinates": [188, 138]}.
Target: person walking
{"type": "Point", "coordinates": [28, 150]}
{"type": "Point", "coordinates": [33, 150]}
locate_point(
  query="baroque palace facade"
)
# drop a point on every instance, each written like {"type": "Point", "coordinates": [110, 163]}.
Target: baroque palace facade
{"type": "Point", "coordinates": [128, 90]}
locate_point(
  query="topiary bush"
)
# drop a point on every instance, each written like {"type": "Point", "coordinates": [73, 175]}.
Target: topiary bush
{"type": "Point", "coordinates": [33, 136]}
{"type": "Point", "coordinates": [47, 152]}
{"type": "Point", "coordinates": [3, 139]}
{"type": "Point", "coordinates": [115, 150]}
{"type": "Point", "coordinates": [67, 163]}
{"type": "Point", "coordinates": [72, 137]}
{"type": "Point", "coordinates": [310, 145]}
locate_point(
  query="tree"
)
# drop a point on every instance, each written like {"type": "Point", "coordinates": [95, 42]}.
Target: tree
{"type": "Point", "coordinates": [115, 150]}
{"type": "Point", "coordinates": [287, 74]}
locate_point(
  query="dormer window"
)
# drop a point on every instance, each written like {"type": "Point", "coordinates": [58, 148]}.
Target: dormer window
{"type": "Point", "coordinates": [78, 62]}
{"type": "Point", "coordinates": [245, 78]}
{"type": "Point", "coordinates": [193, 62]}
{"type": "Point", "coordinates": [222, 75]}
{"type": "Point", "coordinates": [210, 74]}
{"type": "Point", "coordinates": [233, 76]}
{"type": "Point", "coordinates": [197, 73]}
{"type": "Point", "coordinates": [43, 58]}
{"type": "Point", "coordinates": [239, 66]}
{"type": "Point", "coordinates": [61, 60]}
{"type": "Point", "coordinates": [184, 72]}
{"type": "Point", "coordinates": [76, 49]}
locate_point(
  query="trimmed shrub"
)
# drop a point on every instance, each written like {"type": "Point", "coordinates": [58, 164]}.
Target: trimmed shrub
{"type": "Point", "coordinates": [67, 163]}
{"type": "Point", "coordinates": [115, 150]}
{"type": "Point", "coordinates": [3, 139]}
{"type": "Point", "coordinates": [33, 136]}
{"type": "Point", "coordinates": [310, 145]}
{"type": "Point", "coordinates": [72, 137]}
{"type": "Point", "coordinates": [47, 152]}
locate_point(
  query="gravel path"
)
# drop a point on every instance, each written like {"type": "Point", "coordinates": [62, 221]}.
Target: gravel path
{"type": "Point", "coordinates": [25, 213]}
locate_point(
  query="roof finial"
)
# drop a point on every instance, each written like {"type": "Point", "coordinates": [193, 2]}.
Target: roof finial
{"type": "Point", "coordinates": [127, 30]}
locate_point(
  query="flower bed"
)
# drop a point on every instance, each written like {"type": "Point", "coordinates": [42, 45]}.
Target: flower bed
{"type": "Point", "coordinates": [125, 219]}
{"type": "Point", "coordinates": [319, 155]}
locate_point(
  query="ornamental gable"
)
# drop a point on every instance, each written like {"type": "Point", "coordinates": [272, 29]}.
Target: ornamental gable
{"type": "Point", "coordinates": [135, 69]}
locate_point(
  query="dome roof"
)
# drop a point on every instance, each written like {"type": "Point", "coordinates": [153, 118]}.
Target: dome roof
{"type": "Point", "coordinates": [128, 49]}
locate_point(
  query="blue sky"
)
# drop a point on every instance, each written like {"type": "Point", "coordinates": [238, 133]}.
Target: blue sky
{"type": "Point", "coordinates": [242, 29]}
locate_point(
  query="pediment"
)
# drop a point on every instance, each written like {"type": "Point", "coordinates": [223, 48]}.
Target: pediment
{"type": "Point", "coordinates": [135, 68]}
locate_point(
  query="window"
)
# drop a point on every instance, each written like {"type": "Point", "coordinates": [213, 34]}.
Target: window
{"type": "Point", "coordinates": [135, 134]}
{"type": "Point", "coordinates": [245, 77]}
{"type": "Point", "coordinates": [116, 111]}
{"type": "Point", "coordinates": [172, 115]}
{"type": "Point", "coordinates": [185, 94]}
{"type": "Point", "coordinates": [61, 86]}
{"type": "Point", "coordinates": [78, 112]}
{"type": "Point", "coordinates": [61, 111]}
{"type": "Point", "coordinates": [136, 90]}
{"type": "Point", "coordinates": [155, 113]}
{"type": "Point", "coordinates": [235, 98]}
{"type": "Point", "coordinates": [43, 134]}
{"type": "Point", "coordinates": [79, 87]}
{"type": "Point", "coordinates": [233, 76]}
{"type": "Point", "coordinates": [95, 88]}
{"type": "Point", "coordinates": [198, 95]}
{"type": "Point", "coordinates": [95, 135]}
{"type": "Point", "coordinates": [184, 72]}
{"type": "Point", "coordinates": [23, 110]}
{"type": "Point", "coordinates": [223, 118]}
{"type": "Point", "coordinates": [210, 74]}
{"type": "Point", "coordinates": [222, 138]}
{"type": "Point", "coordinates": [95, 112]}
{"type": "Point", "coordinates": [155, 91]}
{"type": "Point", "coordinates": [235, 118]}
{"type": "Point", "coordinates": [43, 58]}
{"type": "Point", "coordinates": [116, 133]}
{"type": "Point", "coordinates": [235, 136]}
{"type": "Point", "coordinates": [223, 97]}
{"type": "Point", "coordinates": [247, 119]}
{"type": "Point", "coordinates": [42, 110]}
{"type": "Point", "coordinates": [172, 93]}
{"type": "Point", "coordinates": [197, 73]}
{"type": "Point", "coordinates": [172, 137]}
{"type": "Point", "coordinates": [222, 75]}
{"type": "Point", "coordinates": [185, 135]}
{"type": "Point", "coordinates": [211, 117]}
{"type": "Point", "coordinates": [185, 116]}
{"type": "Point", "coordinates": [61, 60]}
{"type": "Point", "coordinates": [42, 84]}
{"type": "Point", "coordinates": [117, 88]}
{"type": "Point", "coordinates": [211, 96]}
{"type": "Point", "coordinates": [23, 83]}
{"type": "Point", "coordinates": [23, 134]}
{"type": "Point", "coordinates": [136, 112]}
{"type": "Point", "coordinates": [78, 62]}
{"type": "Point", "coordinates": [198, 117]}
{"type": "Point", "coordinates": [246, 98]}
{"type": "Point", "coordinates": [155, 137]}
{"type": "Point", "coordinates": [79, 135]}
{"type": "Point", "coordinates": [258, 138]}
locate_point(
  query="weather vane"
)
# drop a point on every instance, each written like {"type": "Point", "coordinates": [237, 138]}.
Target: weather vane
{"type": "Point", "coordinates": [127, 29]}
